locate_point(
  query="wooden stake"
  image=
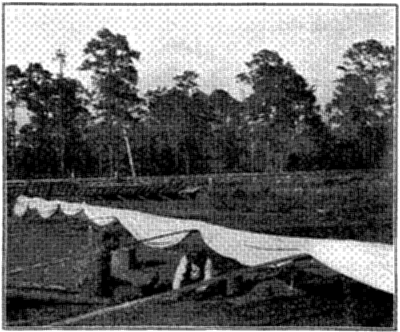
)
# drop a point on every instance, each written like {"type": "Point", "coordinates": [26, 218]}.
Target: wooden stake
{"type": "Point", "coordinates": [90, 236]}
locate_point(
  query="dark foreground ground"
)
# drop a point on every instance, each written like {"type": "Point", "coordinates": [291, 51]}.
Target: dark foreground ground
{"type": "Point", "coordinates": [350, 207]}
{"type": "Point", "coordinates": [314, 302]}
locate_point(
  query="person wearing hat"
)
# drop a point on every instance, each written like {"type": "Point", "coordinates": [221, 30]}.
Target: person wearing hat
{"type": "Point", "coordinates": [95, 270]}
{"type": "Point", "coordinates": [193, 267]}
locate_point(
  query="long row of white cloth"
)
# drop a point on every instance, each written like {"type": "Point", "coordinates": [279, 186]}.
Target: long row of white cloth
{"type": "Point", "coordinates": [366, 262]}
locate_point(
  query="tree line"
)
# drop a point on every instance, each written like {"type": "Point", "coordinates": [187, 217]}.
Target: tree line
{"type": "Point", "coordinates": [112, 129]}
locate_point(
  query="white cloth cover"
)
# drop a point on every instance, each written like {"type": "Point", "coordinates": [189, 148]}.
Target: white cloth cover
{"type": "Point", "coordinates": [369, 263]}
{"type": "Point", "coordinates": [21, 206]}
{"type": "Point", "coordinates": [45, 208]}
{"type": "Point", "coordinates": [71, 209]}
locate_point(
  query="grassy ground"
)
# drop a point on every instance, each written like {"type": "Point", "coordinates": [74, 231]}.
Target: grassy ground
{"type": "Point", "coordinates": [356, 207]}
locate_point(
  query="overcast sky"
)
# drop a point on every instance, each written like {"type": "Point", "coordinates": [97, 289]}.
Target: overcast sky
{"type": "Point", "coordinates": [214, 41]}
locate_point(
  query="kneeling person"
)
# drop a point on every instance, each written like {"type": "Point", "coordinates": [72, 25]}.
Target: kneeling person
{"type": "Point", "coordinates": [193, 267]}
